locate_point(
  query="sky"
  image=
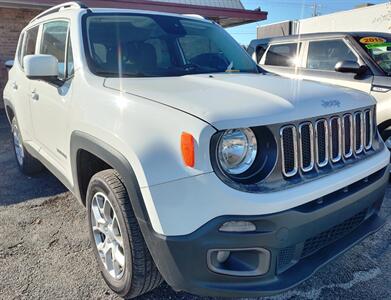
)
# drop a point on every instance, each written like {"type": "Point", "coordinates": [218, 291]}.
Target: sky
{"type": "Point", "coordinates": [282, 10]}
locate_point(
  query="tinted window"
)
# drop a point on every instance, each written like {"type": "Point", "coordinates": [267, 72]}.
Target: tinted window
{"type": "Point", "coordinates": [324, 55]}
{"type": "Point", "coordinates": [137, 45]}
{"type": "Point", "coordinates": [284, 55]}
{"type": "Point", "coordinates": [54, 37]}
{"type": "Point", "coordinates": [30, 42]}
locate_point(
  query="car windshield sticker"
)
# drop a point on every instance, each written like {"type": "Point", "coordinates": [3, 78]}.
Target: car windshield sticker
{"type": "Point", "coordinates": [373, 46]}
{"type": "Point", "coordinates": [372, 40]}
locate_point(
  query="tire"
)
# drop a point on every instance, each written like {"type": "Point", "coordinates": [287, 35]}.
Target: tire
{"type": "Point", "coordinates": [138, 274]}
{"type": "Point", "coordinates": [27, 164]}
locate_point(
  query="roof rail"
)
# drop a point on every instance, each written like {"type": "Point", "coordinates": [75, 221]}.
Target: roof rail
{"type": "Point", "coordinates": [194, 16]}
{"type": "Point", "coordinates": [73, 4]}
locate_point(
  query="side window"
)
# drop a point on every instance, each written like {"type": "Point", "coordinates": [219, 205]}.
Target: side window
{"type": "Point", "coordinates": [70, 66]}
{"type": "Point", "coordinates": [283, 55]}
{"type": "Point", "coordinates": [20, 49]}
{"type": "Point", "coordinates": [54, 37]}
{"type": "Point", "coordinates": [30, 42]}
{"type": "Point", "coordinates": [324, 55]}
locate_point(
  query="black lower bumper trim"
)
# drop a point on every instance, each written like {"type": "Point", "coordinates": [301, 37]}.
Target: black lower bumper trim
{"type": "Point", "coordinates": [304, 238]}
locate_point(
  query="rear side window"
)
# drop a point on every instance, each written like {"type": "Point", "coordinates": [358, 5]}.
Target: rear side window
{"type": "Point", "coordinates": [283, 55]}
{"type": "Point", "coordinates": [54, 37]}
{"type": "Point", "coordinates": [324, 55]}
{"type": "Point", "coordinates": [30, 42]}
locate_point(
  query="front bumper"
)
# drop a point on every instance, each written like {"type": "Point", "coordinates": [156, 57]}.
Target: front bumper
{"type": "Point", "coordinates": [300, 241]}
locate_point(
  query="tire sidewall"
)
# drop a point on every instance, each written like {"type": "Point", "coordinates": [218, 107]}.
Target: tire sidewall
{"type": "Point", "coordinates": [123, 285]}
{"type": "Point", "coordinates": [14, 123]}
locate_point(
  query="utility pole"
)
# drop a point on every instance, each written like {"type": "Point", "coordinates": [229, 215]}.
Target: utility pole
{"type": "Point", "coordinates": [315, 7]}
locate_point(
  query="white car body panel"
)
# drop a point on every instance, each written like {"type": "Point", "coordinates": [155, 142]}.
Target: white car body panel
{"type": "Point", "coordinates": [243, 102]}
{"type": "Point", "coordinates": [383, 106]}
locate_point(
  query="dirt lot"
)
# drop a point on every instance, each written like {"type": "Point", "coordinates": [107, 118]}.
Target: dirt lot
{"type": "Point", "coordinates": [45, 251]}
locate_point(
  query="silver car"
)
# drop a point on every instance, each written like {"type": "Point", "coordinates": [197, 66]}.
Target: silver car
{"type": "Point", "coordinates": [359, 60]}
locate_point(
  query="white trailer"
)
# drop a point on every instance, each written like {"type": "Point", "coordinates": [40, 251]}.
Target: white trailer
{"type": "Point", "coordinates": [369, 18]}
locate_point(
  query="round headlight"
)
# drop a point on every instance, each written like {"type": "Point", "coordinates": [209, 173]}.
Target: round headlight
{"type": "Point", "coordinates": [237, 150]}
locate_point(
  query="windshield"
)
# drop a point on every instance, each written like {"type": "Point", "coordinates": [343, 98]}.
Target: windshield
{"type": "Point", "coordinates": [379, 48]}
{"type": "Point", "coordinates": [143, 45]}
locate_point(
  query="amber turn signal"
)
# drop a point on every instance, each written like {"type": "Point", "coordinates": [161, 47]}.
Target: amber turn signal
{"type": "Point", "coordinates": [187, 148]}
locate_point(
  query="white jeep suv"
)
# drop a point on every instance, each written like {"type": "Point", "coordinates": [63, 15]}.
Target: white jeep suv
{"type": "Point", "coordinates": [195, 166]}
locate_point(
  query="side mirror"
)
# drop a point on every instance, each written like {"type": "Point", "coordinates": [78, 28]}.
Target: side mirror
{"type": "Point", "coordinates": [348, 66]}
{"type": "Point", "coordinates": [9, 64]}
{"type": "Point", "coordinates": [41, 67]}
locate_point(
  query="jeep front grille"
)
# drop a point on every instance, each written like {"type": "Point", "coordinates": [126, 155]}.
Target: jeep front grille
{"type": "Point", "coordinates": [331, 140]}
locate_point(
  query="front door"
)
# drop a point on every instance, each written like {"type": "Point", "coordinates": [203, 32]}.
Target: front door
{"type": "Point", "coordinates": [50, 102]}
{"type": "Point", "coordinates": [321, 58]}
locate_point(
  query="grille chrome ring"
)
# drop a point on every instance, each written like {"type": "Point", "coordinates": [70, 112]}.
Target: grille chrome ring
{"type": "Point", "coordinates": [326, 143]}
{"type": "Point", "coordinates": [351, 134]}
{"type": "Point", "coordinates": [368, 118]}
{"type": "Point", "coordinates": [337, 157]}
{"type": "Point", "coordinates": [358, 133]}
{"type": "Point", "coordinates": [289, 173]}
{"type": "Point", "coordinates": [310, 140]}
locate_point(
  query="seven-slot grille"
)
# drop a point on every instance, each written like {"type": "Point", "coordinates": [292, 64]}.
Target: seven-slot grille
{"type": "Point", "coordinates": [325, 141]}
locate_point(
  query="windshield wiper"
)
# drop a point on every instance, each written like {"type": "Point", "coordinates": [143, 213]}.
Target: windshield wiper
{"type": "Point", "coordinates": [192, 66]}
{"type": "Point", "coordinates": [230, 66]}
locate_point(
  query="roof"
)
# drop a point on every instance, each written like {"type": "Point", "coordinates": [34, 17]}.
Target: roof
{"type": "Point", "coordinates": [227, 13]}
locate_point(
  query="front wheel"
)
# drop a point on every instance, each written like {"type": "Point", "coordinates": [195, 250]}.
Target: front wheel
{"type": "Point", "coordinates": [123, 257]}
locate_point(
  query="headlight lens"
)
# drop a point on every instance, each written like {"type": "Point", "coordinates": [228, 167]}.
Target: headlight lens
{"type": "Point", "coordinates": [237, 150]}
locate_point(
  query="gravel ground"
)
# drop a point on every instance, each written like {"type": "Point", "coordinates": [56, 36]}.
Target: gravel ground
{"type": "Point", "coordinates": [45, 252]}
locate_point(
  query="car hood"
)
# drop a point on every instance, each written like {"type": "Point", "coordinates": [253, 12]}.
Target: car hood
{"type": "Point", "coordinates": [243, 100]}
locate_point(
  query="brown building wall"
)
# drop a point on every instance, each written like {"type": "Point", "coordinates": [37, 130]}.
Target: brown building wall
{"type": "Point", "coordinates": [12, 21]}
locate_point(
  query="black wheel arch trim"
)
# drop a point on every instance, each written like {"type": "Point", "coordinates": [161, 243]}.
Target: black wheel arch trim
{"type": "Point", "coordinates": [8, 105]}
{"type": "Point", "coordinates": [111, 156]}
{"type": "Point", "coordinates": [84, 141]}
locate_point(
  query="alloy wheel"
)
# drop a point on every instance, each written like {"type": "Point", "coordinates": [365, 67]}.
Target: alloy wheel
{"type": "Point", "coordinates": [107, 235]}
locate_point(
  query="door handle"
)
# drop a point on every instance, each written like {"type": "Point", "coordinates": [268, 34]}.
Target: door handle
{"type": "Point", "coordinates": [34, 96]}
{"type": "Point", "coordinates": [14, 86]}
